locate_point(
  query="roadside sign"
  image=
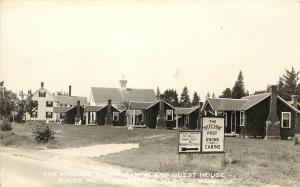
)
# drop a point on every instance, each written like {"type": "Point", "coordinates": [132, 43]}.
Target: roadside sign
{"type": "Point", "coordinates": [213, 135]}
{"type": "Point", "coordinates": [189, 142]}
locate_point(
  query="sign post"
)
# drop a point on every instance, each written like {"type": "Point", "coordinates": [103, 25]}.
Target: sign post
{"type": "Point", "coordinates": [213, 135]}
{"type": "Point", "coordinates": [189, 142]}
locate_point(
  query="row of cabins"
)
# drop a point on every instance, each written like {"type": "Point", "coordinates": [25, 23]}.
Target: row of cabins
{"type": "Point", "coordinates": [258, 115]}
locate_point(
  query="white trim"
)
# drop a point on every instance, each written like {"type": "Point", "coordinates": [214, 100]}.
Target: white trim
{"type": "Point", "coordinates": [172, 112]}
{"type": "Point", "coordinates": [116, 114]}
{"type": "Point", "coordinates": [290, 118]}
{"type": "Point", "coordinates": [292, 107]}
{"type": "Point", "coordinates": [242, 124]}
{"type": "Point", "coordinates": [187, 119]}
{"type": "Point", "coordinates": [225, 115]}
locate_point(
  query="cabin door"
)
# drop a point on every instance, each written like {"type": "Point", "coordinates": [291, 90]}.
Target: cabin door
{"type": "Point", "coordinates": [233, 122]}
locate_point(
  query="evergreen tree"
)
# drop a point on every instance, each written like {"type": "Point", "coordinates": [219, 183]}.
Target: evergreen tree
{"type": "Point", "coordinates": [30, 106]}
{"type": "Point", "coordinates": [213, 95]}
{"type": "Point", "coordinates": [226, 93]}
{"type": "Point", "coordinates": [196, 99]}
{"type": "Point", "coordinates": [207, 95]}
{"type": "Point", "coordinates": [171, 97]}
{"type": "Point", "coordinates": [238, 90]}
{"type": "Point", "coordinates": [157, 93]}
{"type": "Point", "coordinates": [185, 98]}
{"type": "Point", "coordinates": [21, 105]}
{"type": "Point", "coordinates": [288, 83]}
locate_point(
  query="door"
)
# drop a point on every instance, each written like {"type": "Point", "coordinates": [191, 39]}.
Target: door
{"type": "Point", "coordinates": [233, 122]}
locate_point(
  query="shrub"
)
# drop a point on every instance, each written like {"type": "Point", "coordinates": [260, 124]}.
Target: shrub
{"type": "Point", "coordinates": [42, 133]}
{"type": "Point", "coordinates": [5, 125]}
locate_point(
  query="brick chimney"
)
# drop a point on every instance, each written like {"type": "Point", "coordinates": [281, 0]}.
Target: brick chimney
{"type": "Point", "coordinates": [70, 90]}
{"type": "Point", "coordinates": [109, 117]}
{"type": "Point", "coordinates": [296, 101]}
{"type": "Point", "coordinates": [273, 122]}
{"type": "Point", "coordinates": [161, 118]}
{"type": "Point", "coordinates": [42, 84]}
{"type": "Point", "coordinates": [78, 115]}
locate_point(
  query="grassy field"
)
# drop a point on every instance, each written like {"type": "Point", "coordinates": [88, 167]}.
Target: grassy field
{"type": "Point", "coordinates": [247, 161]}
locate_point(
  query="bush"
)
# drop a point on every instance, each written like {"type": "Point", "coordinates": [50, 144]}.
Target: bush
{"type": "Point", "coordinates": [5, 125]}
{"type": "Point", "coordinates": [42, 133]}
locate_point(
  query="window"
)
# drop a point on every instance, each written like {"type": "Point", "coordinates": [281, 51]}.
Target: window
{"type": "Point", "coordinates": [34, 115]}
{"type": "Point", "coordinates": [42, 94]}
{"type": "Point", "coordinates": [286, 120]}
{"type": "Point", "coordinates": [187, 119]}
{"type": "Point", "coordinates": [49, 104]}
{"type": "Point", "coordinates": [48, 114]}
{"type": "Point", "coordinates": [169, 115]}
{"type": "Point", "coordinates": [242, 118]}
{"type": "Point", "coordinates": [63, 115]}
{"type": "Point", "coordinates": [116, 116]}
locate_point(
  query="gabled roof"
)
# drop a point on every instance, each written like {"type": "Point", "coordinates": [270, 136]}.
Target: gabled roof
{"type": "Point", "coordinates": [253, 100]}
{"type": "Point", "coordinates": [92, 108]}
{"type": "Point", "coordinates": [185, 111]}
{"type": "Point", "coordinates": [139, 105]}
{"type": "Point", "coordinates": [44, 89]}
{"type": "Point", "coordinates": [226, 103]}
{"type": "Point", "coordinates": [62, 109]}
{"type": "Point", "coordinates": [157, 101]}
{"type": "Point", "coordinates": [102, 95]}
{"type": "Point", "coordinates": [71, 100]}
{"type": "Point", "coordinates": [244, 103]}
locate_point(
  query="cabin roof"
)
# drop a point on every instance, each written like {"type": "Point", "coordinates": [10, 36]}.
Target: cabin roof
{"type": "Point", "coordinates": [254, 100]}
{"type": "Point", "coordinates": [139, 105]}
{"type": "Point", "coordinates": [102, 95]}
{"type": "Point", "coordinates": [92, 108]}
{"type": "Point", "coordinates": [226, 103]}
{"type": "Point", "coordinates": [62, 109]}
{"type": "Point", "coordinates": [71, 100]}
{"type": "Point", "coordinates": [185, 111]}
{"type": "Point", "coordinates": [244, 103]}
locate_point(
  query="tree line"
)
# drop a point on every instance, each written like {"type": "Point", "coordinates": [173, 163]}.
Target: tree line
{"type": "Point", "coordinates": [288, 84]}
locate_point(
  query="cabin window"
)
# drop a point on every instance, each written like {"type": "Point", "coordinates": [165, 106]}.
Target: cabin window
{"type": "Point", "coordinates": [49, 104]}
{"type": "Point", "coordinates": [169, 115]}
{"type": "Point", "coordinates": [42, 94]}
{"type": "Point", "coordinates": [34, 115]}
{"type": "Point", "coordinates": [242, 118]}
{"type": "Point", "coordinates": [49, 114]}
{"type": "Point", "coordinates": [286, 120]}
{"type": "Point", "coordinates": [63, 115]}
{"type": "Point", "coordinates": [116, 116]}
{"type": "Point", "coordinates": [187, 119]}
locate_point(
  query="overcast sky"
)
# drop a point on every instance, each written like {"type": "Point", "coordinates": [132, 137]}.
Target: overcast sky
{"type": "Point", "coordinates": [170, 44]}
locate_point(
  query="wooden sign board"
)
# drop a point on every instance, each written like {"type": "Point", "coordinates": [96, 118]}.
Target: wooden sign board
{"type": "Point", "coordinates": [189, 142]}
{"type": "Point", "coordinates": [213, 135]}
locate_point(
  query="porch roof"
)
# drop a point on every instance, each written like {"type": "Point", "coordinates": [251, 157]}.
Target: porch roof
{"type": "Point", "coordinates": [135, 112]}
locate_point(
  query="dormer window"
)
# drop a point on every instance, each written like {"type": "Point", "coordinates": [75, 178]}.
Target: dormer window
{"type": "Point", "coordinates": [42, 94]}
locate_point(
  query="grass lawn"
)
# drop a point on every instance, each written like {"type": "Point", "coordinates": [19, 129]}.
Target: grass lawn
{"type": "Point", "coordinates": [247, 161]}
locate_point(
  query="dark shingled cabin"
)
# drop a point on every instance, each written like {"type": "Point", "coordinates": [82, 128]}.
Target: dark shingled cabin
{"type": "Point", "coordinates": [68, 115]}
{"type": "Point", "coordinates": [187, 118]}
{"type": "Point", "coordinates": [105, 115]}
{"type": "Point", "coordinates": [265, 115]}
